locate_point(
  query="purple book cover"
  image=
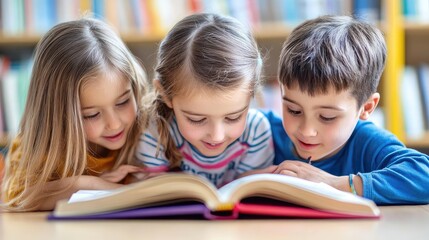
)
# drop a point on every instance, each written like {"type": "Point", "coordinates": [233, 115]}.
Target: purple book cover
{"type": "Point", "coordinates": [192, 210]}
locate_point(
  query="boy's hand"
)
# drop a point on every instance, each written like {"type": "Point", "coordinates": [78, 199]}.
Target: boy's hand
{"type": "Point", "coordinates": [305, 171]}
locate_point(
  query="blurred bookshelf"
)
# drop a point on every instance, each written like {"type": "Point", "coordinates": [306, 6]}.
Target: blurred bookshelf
{"type": "Point", "coordinates": [143, 23]}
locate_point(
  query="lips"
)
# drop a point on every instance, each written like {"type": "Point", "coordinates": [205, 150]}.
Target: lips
{"type": "Point", "coordinates": [115, 137]}
{"type": "Point", "coordinates": [212, 145]}
{"type": "Point", "coordinates": [307, 146]}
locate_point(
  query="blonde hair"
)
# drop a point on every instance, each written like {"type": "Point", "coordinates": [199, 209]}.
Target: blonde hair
{"type": "Point", "coordinates": [203, 51]}
{"type": "Point", "coordinates": [51, 131]}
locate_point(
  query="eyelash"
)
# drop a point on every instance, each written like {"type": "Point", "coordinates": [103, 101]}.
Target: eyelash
{"type": "Point", "coordinates": [201, 121]}
{"type": "Point", "coordinates": [91, 116]}
{"type": "Point", "coordinates": [233, 120]}
{"type": "Point", "coordinates": [196, 122]}
{"type": "Point", "coordinates": [325, 119]}
{"type": "Point", "coordinates": [94, 116]}
{"type": "Point", "coordinates": [124, 102]}
{"type": "Point", "coordinates": [293, 112]}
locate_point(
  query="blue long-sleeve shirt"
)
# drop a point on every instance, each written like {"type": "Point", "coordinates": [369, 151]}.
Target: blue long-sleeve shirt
{"type": "Point", "coordinates": [391, 173]}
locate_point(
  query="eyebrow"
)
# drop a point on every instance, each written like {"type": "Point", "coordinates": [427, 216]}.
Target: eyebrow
{"type": "Point", "coordinates": [197, 114]}
{"type": "Point", "coordinates": [317, 106]}
{"type": "Point", "coordinates": [123, 94]}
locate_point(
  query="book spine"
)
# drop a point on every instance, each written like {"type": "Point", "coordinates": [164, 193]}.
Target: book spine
{"type": "Point", "coordinates": [222, 214]}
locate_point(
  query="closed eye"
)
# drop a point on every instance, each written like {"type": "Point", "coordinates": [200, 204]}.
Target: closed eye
{"type": "Point", "coordinates": [123, 102]}
{"type": "Point", "coordinates": [327, 119]}
{"type": "Point", "coordinates": [293, 112]}
{"type": "Point", "coordinates": [92, 116]}
{"type": "Point", "coordinates": [196, 122]}
{"type": "Point", "coordinates": [236, 119]}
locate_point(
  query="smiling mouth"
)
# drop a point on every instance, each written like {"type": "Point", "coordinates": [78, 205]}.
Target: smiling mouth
{"type": "Point", "coordinates": [212, 145]}
{"type": "Point", "coordinates": [115, 137]}
{"type": "Point", "coordinates": [307, 145]}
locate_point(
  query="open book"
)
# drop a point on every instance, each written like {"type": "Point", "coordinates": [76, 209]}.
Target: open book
{"type": "Point", "coordinates": [184, 195]}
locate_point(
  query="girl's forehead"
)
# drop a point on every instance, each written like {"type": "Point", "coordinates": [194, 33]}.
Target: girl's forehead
{"type": "Point", "coordinates": [194, 86]}
{"type": "Point", "coordinates": [106, 83]}
{"type": "Point", "coordinates": [107, 77]}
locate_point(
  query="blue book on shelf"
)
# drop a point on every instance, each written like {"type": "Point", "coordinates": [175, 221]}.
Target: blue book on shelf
{"type": "Point", "coordinates": [290, 12]}
{"type": "Point", "coordinates": [98, 9]}
{"type": "Point", "coordinates": [412, 104]}
{"type": "Point", "coordinates": [368, 10]}
{"type": "Point", "coordinates": [424, 91]}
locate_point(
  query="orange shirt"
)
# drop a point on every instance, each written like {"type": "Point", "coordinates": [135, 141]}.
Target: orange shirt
{"type": "Point", "coordinates": [1, 167]}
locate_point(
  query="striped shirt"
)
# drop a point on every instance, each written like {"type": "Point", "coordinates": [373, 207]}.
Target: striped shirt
{"type": "Point", "coordinates": [252, 150]}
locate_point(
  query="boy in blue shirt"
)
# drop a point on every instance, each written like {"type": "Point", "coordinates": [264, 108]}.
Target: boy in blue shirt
{"type": "Point", "coordinates": [329, 71]}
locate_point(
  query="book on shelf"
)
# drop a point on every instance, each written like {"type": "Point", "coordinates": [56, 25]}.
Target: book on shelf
{"type": "Point", "coordinates": [412, 104]}
{"type": "Point", "coordinates": [181, 195]}
{"type": "Point", "coordinates": [423, 77]}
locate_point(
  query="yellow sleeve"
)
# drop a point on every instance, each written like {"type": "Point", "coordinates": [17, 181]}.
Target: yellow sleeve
{"type": "Point", "coordinates": [97, 165]}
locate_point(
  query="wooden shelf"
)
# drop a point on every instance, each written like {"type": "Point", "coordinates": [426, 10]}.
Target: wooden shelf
{"type": "Point", "coordinates": [19, 40]}
{"type": "Point", "coordinates": [423, 142]}
{"type": "Point", "coordinates": [262, 31]}
{"type": "Point", "coordinates": [416, 26]}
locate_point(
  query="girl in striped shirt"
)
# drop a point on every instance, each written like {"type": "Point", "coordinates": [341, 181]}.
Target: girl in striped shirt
{"type": "Point", "coordinates": [208, 70]}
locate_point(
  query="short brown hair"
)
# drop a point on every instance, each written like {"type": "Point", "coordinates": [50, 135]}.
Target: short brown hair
{"type": "Point", "coordinates": [334, 51]}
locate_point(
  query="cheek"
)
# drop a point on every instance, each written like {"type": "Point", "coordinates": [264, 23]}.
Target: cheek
{"type": "Point", "coordinates": [337, 135]}
{"type": "Point", "coordinates": [92, 130]}
{"type": "Point", "coordinates": [131, 115]}
{"type": "Point", "coordinates": [236, 130]}
{"type": "Point", "coordinates": [189, 131]}
{"type": "Point", "coordinates": [131, 112]}
{"type": "Point", "coordinates": [289, 123]}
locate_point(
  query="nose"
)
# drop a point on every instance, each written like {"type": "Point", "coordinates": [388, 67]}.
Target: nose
{"type": "Point", "coordinates": [112, 120]}
{"type": "Point", "coordinates": [307, 129]}
{"type": "Point", "coordinates": [217, 132]}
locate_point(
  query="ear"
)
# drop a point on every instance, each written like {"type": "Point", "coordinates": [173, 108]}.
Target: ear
{"type": "Point", "coordinates": [161, 91]}
{"type": "Point", "coordinates": [369, 106]}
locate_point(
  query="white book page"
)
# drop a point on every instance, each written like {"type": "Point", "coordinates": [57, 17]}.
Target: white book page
{"type": "Point", "coordinates": [85, 195]}
{"type": "Point", "coordinates": [318, 188]}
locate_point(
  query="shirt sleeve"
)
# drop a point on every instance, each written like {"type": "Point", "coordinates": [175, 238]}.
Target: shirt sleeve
{"type": "Point", "coordinates": [148, 152]}
{"type": "Point", "coordinates": [258, 138]}
{"type": "Point", "coordinates": [392, 173]}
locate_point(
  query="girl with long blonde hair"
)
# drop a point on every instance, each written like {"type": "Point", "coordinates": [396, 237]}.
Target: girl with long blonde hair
{"type": "Point", "coordinates": [82, 120]}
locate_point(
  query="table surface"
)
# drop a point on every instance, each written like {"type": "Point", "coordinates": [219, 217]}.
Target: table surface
{"type": "Point", "coordinates": [396, 222]}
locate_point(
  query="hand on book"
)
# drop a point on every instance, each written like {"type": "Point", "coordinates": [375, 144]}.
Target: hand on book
{"type": "Point", "coordinates": [146, 173]}
{"type": "Point", "coordinates": [309, 172]}
{"type": "Point", "coordinates": [120, 174]}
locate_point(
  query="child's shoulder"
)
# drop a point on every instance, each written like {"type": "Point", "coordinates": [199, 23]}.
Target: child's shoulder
{"type": "Point", "coordinates": [369, 129]}
{"type": "Point", "coordinates": [367, 133]}
{"type": "Point", "coordinates": [255, 118]}
{"type": "Point", "coordinates": [257, 125]}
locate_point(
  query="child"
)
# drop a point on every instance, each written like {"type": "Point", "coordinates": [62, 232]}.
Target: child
{"type": "Point", "coordinates": [329, 71]}
{"type": "Point", "coordinates": [208, 70]}
{"type": "Point", "coordinates": [83, 117]}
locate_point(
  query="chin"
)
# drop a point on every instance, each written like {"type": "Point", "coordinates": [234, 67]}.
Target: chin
{"type": "Point", "coordinates": [114, 147]}
{"type": "Point", "coordinates": [212, 153]}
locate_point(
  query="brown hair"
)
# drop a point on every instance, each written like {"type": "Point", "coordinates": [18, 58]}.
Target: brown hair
{"type": "Point", "coordinates": [203, 51]}
{"type": "Point", "coordinates": [334, 51]}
